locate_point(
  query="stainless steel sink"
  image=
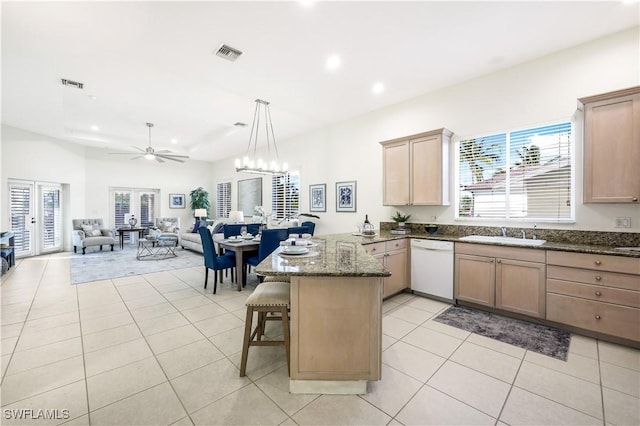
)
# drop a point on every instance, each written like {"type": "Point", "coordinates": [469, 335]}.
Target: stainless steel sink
{"type": "Point", "coordinates": [503, 240]}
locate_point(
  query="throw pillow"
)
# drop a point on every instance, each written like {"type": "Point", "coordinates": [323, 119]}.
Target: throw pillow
{"type": "Point", "coordinates": [218, 229]}
{"type": "Point", "coordinates": [168, 227]}
{"type": "Point", "coordinates": [195, 227]}
{"type": "Point", "coordinates": [92, 230]}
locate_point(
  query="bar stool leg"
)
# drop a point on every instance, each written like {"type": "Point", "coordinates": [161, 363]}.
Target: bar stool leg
{"type": "Point", "coordinates": [247, 339]}
{"type": "Point", "coordinates": [285, 333]}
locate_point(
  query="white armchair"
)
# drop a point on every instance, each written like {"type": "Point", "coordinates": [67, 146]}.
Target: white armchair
{"type": "Point", "coordinates": [169, 227]}
{"type": "Point", "coordinates": [90, 233]}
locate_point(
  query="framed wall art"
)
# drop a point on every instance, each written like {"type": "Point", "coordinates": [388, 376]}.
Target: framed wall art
{"type": "Point", "coordinates": [346, 196]}
{"type": "Point", "coordinates": [176, 201]}
{"type": "Point", "coordinates": [249, 195]}
{"type": "Point", "coordinates": [318, 198]}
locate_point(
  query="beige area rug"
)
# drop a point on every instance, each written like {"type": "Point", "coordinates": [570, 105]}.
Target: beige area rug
{"type": "Point", "coordinates": [98, 265]}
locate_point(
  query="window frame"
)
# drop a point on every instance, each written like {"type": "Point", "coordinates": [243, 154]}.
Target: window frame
{"type": "Point", "coordinates": [228, 184]}
{"type": "Point", "coordinates": [288, 212]}
{"type": "Point", "coordinates": [506, 218]}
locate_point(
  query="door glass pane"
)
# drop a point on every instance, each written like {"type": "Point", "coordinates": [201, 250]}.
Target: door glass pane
{"type": "Point", "coordinates": [51, 219]}
{"type": "Point", "coordinates": [147, 209]}
{"type": "Point", "coordinates": [20, 210]}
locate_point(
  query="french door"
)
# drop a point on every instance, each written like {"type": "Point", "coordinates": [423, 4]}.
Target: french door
{"type": "Point", "coordinates": [142, 203]}
{"type": "Point", "coordinates": [35, 211]}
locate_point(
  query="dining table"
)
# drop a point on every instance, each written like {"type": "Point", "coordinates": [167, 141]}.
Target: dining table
{"type": "Point", "coordinates": [239, 246]}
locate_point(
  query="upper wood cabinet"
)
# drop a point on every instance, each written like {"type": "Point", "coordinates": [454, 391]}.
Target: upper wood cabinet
{"type": "Point", "coordinates": [416, 169]}
{"type": "Point", "coordinates": [612, 147]}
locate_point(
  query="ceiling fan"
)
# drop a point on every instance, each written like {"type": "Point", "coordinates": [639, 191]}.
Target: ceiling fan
{"type": "Point", "coordinates": [151, 154]}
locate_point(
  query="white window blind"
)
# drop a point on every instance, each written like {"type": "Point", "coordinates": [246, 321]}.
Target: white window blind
{"type": "Point", "coordinates": [223, 199]}
{"type": "Point", "coordinates": [51, 218]}
{"type": "Point", "coordinates": [285, 196]}
{"type": "Point", "coordinates": [147, 209]}
{"type": "Point", "coordinates": [520, 175]}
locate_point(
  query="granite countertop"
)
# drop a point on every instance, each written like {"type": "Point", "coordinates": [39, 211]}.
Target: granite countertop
{"type": "Point", "coordinates": [340, 255]}
{"type": "Point", "coordinates": [549, 245]}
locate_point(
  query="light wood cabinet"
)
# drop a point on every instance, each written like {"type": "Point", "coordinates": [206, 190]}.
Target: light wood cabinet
{"type": "Point", "coordinates": [393, 255]}
{"type": "Point", "coordinates": [612, 147]}
{"type": "Point", "coordinates": [594, 292]}
{"type": "Point", "coordinates": [416, 169]}
{"type": "Point", "coordinates": [511, 279]}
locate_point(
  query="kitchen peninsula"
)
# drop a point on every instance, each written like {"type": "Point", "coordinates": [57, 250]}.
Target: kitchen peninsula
{"type": "Point", "coordinates": [336, 315]}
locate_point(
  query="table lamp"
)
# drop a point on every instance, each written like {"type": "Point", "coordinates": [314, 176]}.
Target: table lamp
{"type": "Point", "coordinates": [200, 213]}
{"type": "Point", "coordinates": [236, 216]}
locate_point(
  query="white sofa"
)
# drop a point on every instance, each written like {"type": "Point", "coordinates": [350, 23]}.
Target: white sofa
{"type": "Point", "coordinates": [191, 240]}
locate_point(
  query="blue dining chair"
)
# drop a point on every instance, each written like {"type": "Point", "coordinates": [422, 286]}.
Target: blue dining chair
{"type": "Point", "coordinates": [310, 226]}
{"type": "Point", "coordinates": [231, 229]}
{"type": "Point", "coordinates": [212, 260]}
{"type": "Point", "coordinates": [269, 241]}
{"type": "Point", "coordinates": [298, 230]}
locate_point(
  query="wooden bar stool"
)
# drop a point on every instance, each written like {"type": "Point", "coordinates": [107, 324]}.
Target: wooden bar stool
{"type": "Point", "coordinates": [268, 298]}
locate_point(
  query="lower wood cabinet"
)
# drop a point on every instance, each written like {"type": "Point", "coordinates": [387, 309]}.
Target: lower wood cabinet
{"type": "Point", "coordinates": [508, 278]}
{"type": "Point", "coordinates": [393, 255]}
{"type": "Point", "coordinates": [594, 292]}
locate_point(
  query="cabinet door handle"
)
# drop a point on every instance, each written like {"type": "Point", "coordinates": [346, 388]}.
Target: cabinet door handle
{"type": "Point", "coordinates": [598, 262]}
{"type": "Point", "coordinates": [597, 317]}
{"type": "Point", "coordinates": [598, 294]}
{"type": "Point", "coordinates": [490, 260]}
{"type": "Point", "coordinates": [598, 278]}
{"type": "Point", "coordinates": [634, 199]}
{"type": "Point", "coordinates": [499, 261]}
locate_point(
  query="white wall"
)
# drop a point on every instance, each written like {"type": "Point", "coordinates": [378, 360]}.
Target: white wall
{"type": "Point", "coordinates": [88, 173]}
{"type": "Point", "coordinates": [537, 92]}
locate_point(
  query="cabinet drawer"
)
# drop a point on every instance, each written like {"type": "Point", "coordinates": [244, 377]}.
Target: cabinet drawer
{"type": "Point", "coordinates": [589, 276]}
{"type": "Point", "coordinates": [515, 253]}
{"type": "Point", "coordinates": [598, 262]}
{"type": "Point", "coordinates": [600, 317]}
{"type": "Point", "coordinates": [375, 248]}
{"type": "Point", "coordinates": [595, 292]}
{"type": "Point", "coordinates": [396, 244]}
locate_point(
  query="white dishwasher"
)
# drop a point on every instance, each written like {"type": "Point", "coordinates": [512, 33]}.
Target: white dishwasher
{"type": "Point", "coordinates": [432, 268]}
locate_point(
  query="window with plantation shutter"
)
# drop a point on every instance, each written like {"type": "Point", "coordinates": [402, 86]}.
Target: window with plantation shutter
{"type": "Point", "coordinates": [285, 196]}
{"type": "Point", "coordinates": [51, 218]}
{"type": "Point", "coordinates": [223, 199]}
{"type": "Point", "coordinates": [20, 212]}
{"type": "Point", "coordinates": [520, 175]}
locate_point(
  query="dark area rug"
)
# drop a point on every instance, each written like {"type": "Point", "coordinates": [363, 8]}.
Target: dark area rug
{"type": "Point", "coordinates": [534, 337]}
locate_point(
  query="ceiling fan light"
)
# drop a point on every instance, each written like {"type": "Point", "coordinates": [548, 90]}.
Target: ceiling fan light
{"type": "Point", "coordinates": [149, 156]}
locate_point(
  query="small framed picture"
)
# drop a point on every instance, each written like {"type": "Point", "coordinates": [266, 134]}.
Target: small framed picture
{"type": "Point", "coordinates": [318, 198]}
{"type": "Point", "coordinates": [346, 196]}
{"type": "Point", "coordinates": [176, 201]}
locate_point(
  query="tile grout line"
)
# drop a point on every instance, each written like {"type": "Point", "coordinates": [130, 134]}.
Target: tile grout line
{"type": "Point", "coordinates": [84, 362]}
{"type": "Point", "coordinates": [154, 356]}
{"type": "Point", "coordinates": [604, 420]}
{"type": "Point", "coordinates": [25, 318]}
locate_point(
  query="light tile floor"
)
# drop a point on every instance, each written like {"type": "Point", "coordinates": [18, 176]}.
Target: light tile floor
{"type": "Point", "coordinates": [158, 349]}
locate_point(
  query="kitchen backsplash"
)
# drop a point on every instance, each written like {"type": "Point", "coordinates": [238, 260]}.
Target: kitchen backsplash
{"type": "Point", "coordinates": [596, 238]}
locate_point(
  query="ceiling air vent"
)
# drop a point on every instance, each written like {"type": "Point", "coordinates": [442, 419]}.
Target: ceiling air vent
{"type": "Point", "coordinates": [72, 83]}
{"type": "Point", "coordinates": [228, 52]}
{"type": "Point", "coordinates": [240, 124]}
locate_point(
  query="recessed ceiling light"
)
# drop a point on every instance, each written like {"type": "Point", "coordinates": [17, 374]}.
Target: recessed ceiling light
{"type": "Point", "coordinates": [378, 88]}
{"type": "Point", "coordinates": [174, 141]}
{"type": "Point", "coordinates": [93, 97]}
{"type": "Point", "coordinates": [306, 3]}
{"type": "Point", "coordinates": [95, 128]}
{"type": "Point", "coordinates": [333, 62]}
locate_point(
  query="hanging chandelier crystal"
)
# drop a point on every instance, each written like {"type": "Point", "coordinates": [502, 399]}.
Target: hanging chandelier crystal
{"type": "Point", "coordinates": [254, 164]}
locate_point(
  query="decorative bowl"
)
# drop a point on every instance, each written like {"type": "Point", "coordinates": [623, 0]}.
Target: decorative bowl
{"type": "Point", "coordinates": [431, 229]}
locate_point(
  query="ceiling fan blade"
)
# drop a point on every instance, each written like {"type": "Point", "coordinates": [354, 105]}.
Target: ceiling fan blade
{"type": "Point", "coordinates": [139, 149]}
{"type": "Point", "coordinates": [122, 153]}
{"type": "Point", "coordinates": [159, 160]}
{"type": "Point", "coordinates": [178, 158]}
{"type": "Point", "coordinates": [162, 151]}
{"type": "Point", "coordinates": [135, 158]}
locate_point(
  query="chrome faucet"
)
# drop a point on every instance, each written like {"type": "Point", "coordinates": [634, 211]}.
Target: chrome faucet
{"type": "Point", "coordinates": [504, 231]}
{"type": "Point", "coordinates": [524, 234]}
{"type": "Point", "coordinates": [534, 236]}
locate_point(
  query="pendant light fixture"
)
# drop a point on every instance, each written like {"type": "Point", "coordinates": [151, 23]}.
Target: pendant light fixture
{"type": "Point", "coordinates": [252, 163]}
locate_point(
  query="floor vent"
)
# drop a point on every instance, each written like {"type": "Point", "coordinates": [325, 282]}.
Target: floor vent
{"type": "Point", "coordinates": [228, 52]}
{"type": "Point", "coordinates": [72, 83]}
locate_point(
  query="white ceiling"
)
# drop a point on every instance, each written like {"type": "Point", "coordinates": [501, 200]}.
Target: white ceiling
{"type": "Point", "coordinates": [154, 62]}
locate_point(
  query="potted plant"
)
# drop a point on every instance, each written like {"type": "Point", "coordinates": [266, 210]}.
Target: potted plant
{"type": "Point", "coordinates": [199, 199]}
{"type": "Point", "coordinates": [400, 219]}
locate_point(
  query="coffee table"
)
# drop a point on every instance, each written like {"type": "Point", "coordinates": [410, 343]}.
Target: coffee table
{"type": "Point", "coordinates": [156, 248]}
